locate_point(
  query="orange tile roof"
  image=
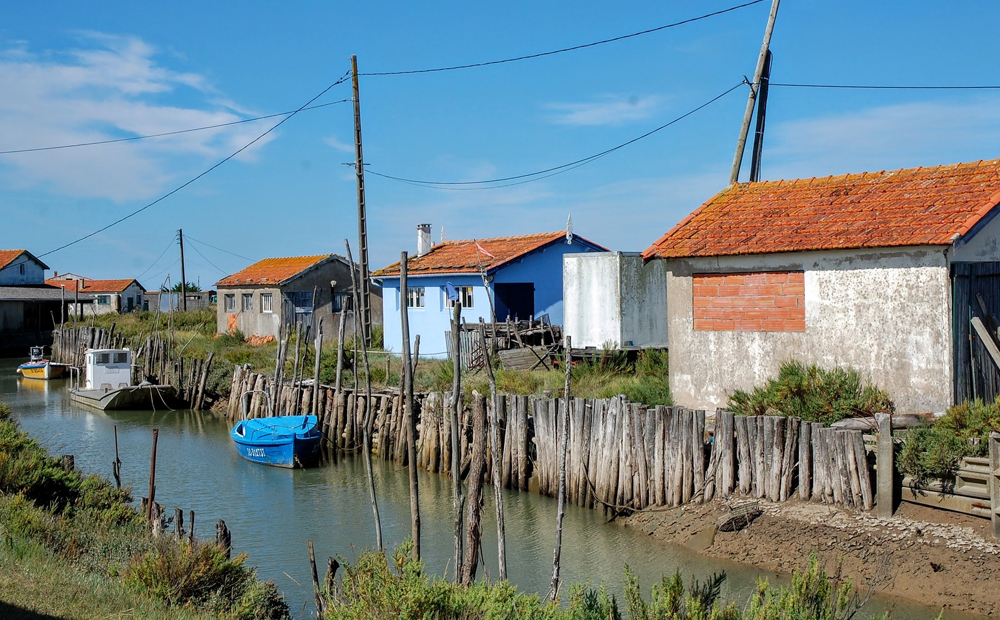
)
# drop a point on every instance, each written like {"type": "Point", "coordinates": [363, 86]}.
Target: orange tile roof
{"type": "Point", "coordinates": [917, 206]}
{"type": "Point", "coordinates": [8, 256]}
{"type": "Point", "coordinates": [93, 286]}
{"type": "Point", "coordinates": [272, 270]}
{"type": "Point", "coordinates": [473, 255]}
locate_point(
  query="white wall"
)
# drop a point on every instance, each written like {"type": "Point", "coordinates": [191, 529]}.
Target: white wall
{"type": "Point", "coordinates": [886, 313]}
{"type": "Point", "coordinates": [980, 245]}
{"type": "Point", "coordinates": [613, 297]}
{"type": "Point", "coordinates": [33, 272]}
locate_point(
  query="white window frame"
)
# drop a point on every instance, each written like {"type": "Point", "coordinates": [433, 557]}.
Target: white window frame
{"type": "Point", "coordinates": [246, 302]}
{"type": "Point", "coordinates": [416, 297]}
{"type": "Point", "coordinates": [230, 301]}
{"type": "Point", "coordinates": [464, 296]}
{"type": "Point", "coordinates": [104, 300]}
{"type": "Point", "coordinates": [266, 301]}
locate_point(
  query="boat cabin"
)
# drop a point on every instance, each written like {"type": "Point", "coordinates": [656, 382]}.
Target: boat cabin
{"type": "Point", "coordinates": [108, 368]}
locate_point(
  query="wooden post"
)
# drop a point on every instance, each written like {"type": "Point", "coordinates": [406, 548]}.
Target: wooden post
{"type": "Point", "coordinates": [366, 431]}
{"type": "Point", "coordinates": [994, 482]}
{"type": "Point", "coordinates": [191, 525]}
{"type": "Point", "coordinates": [320, 610]}
{"type": "Point", "coordinates": [563, 429]}
{"type": "Point", "coordinates": [495, 450]}
{"type": "Point", "coordinates": [411, 423]}
{"type": "Point", "coordinates": [885, 462]}
{"type": "Point", "coordinates": [178, 524]}
{"type": "Point", "coordinates": [805, 459]}
{"type": "Point", "coordinates": [359, 171]}
{"type": "Point", "coordinates": [152, 477]}
{"type": "Point", "coordinates": [319, 352]}
{"type": "Point", "coordinates": [474, 508]}
{"type": "Point", "coordinates": [224, 538]}
{"type": "Point", "coordinates": [116, 465]}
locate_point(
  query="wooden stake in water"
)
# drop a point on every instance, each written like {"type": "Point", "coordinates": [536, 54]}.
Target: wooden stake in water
{"type": "Point", "coordinates": [411, 423]}
{"type": "Point", "coordinates": [116, 466]}
{"type": "Point", "coordinates": [152, 477]}
{"type": "Point", "coordinates": [456, 444]}
{"type": "Point", "coordinates": [494, 423]}
{"type": "Point", "coordinates": [561, 502]}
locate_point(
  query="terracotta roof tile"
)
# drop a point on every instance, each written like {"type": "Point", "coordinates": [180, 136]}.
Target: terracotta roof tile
{"type": "Point", "coordinates": [93, 286]}
{"type": "Point", "coordinates": [8, 256]}
{"type": "Point", "coordinates": [917, 206]}
{"type": "Point", "coordinates": [473, 255]}
{"type": "Point", "coordinates": [273, 270]}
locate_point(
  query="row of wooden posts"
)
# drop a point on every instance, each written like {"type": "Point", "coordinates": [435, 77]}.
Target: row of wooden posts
{"type": "Point", "coordinates": [621, 456]}
{"type": "Point", "coordinates": [152, 360]}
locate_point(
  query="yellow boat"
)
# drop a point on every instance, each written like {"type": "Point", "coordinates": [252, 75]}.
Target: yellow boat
{"type": "Point", "coordinates": [40, 368]}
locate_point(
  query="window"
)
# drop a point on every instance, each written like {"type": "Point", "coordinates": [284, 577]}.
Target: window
{"type": "Point", "coordinates": [464, 297]}
{"type": "Point", "coordinates": [21, 268]}
{"type": "Point", "coordinates": [265, 302]}
{"type": "Point", "coordinates": [415, 297]}
{"type": "Point", "coordinates": [121, 357]}
{"type": "Point", "coordinates": [103, 358]}
{"type": "Point", "coordinates": [301, 300]}
{"type": "Point", "coordinates": [247, 302]}
{"type": "Point", "coordinates": [230, 302]}
{"type": "Point", "coordinates": [103, 300]}
{"type": "Point", "coordinates": [342, 301]}
{"type": "Point", "coordinates": [138, 300]}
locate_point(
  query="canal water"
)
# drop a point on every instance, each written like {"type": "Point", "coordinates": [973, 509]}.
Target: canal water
{"type": "Point", "coordinates": [273, 512]}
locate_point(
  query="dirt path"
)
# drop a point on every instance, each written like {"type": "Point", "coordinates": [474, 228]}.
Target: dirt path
{"type": "Point", "coordinates": [930, 556]}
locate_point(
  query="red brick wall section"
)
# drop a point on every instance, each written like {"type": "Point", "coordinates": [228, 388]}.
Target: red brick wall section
{"type": "Point", "coordinates": [750, 302]}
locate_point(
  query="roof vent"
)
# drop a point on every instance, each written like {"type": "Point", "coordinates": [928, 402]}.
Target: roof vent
{"type": "Point", "coordinates": [423, 239]}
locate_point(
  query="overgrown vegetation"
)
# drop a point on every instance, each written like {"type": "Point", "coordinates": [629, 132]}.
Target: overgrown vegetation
{"type": "Point", "coordinates": [934, 452]}
{"type": "Point", "coordinates": [642, 380]}
{"type": "Point", "coordinates": [374, 587]}
{"type": "Point", "coordinates": [814, 394]}
{"type": "Point", "coordinates": [80, 528]}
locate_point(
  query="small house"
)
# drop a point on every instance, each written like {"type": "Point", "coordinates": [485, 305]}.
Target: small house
{"type": "Point", "coordinates": [29, 309]}
{"type": "Point", "coordinates": [886, 272]}
{"type": "Point", "coordinates": [269, 293]}
{"type": "Point", "coordinates": [494, 279]}
{"type": "Point", "coordinates": [102, 296]}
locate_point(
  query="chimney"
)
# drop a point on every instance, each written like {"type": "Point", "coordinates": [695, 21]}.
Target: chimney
{"type": "Point", "coordinates": [55, 274]}
{"type": "Point", "coordinates": [423, 239]}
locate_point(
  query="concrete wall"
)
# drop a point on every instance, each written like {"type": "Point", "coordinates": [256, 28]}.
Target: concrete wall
{"type": "Point", "coordinates": [33, 272]}
{"type": "Point", "coordinates": [886, 313]}
{"type": "Point", "coordinates": [612, 297]}
{"type": "Point", "coordinates": [982, 244]}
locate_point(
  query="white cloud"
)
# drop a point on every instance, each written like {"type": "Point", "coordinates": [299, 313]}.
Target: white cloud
{"type": "Point", "coordinates": [610, 110]}
{"type": "Point", "coordinates": [112, 87]}
{"type": "Point", "coordinates": [343, 147]}
{"type": "Point", "coordinates": [883, 138]}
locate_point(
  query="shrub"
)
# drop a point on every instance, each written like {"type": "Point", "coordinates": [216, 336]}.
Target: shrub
{"type": "Point", "coordinates": [814, 394]}
{"type": "Point", "coordinates": [934, 452]}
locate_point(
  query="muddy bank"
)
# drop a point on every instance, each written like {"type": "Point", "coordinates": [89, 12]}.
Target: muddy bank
{"type": "Point", "coordinates": [932, 557]}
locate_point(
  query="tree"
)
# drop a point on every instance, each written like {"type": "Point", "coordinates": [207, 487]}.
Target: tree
{"type": "Point", "coordinates": [191, 287]}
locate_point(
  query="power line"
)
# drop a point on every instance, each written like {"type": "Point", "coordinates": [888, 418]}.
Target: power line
{"type": "Point", "coordinates": [549, 172]}
{"type": "Point", "coordinates": [168, 133]}
{"type": "Point", "coordinates": [220, 249]}
{"type": "Point", "coordinates": [195, 248]}
{"type": "Point", "coordinates": [162, 271]}
{"type": "Point", "coordinates": [883, 87]}
{"type": "Point", "coordinates": [567, 49]}
{"type": "Point", "coordinates": [169, 244]}
{"type": "Point", "coordinates": [182, 186]}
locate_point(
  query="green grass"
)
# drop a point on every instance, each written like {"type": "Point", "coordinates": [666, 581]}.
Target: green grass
{"type": "Point", "coordinates": [63, 529]}
{"type": "Point", "coordinates": [814, 394]}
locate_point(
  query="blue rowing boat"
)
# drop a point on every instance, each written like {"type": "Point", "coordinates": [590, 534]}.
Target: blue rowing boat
{"type": "Point", "coordinates": [282, 441]}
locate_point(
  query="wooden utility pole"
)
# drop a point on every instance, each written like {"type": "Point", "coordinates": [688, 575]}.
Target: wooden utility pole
{"type": "Point", "coordinates": [411, 423]}
{"type": "Point", "coordinates": [359, 167]}
{"type": "Point", "coordinates": [184, 297]}
{"type": "Point", "coordinates": [758, 135]}
{"type": "Point", "coordinates": [748, 114]}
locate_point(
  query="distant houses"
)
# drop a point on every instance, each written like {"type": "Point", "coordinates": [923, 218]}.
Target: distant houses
{"type": "Point", "coordinates": [519, 277]}
{"type": "Point", "coordinates": [103, 296]}
{"type": "Point", "coordinates": [887, 272]}
{"type": "Point", "coordinates": [29, 309]}
{"type": "Point", "coordinates": [260, 298]}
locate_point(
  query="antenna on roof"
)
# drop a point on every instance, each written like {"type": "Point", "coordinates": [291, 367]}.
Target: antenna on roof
{"type": "Point", "coordinates": [569, 229]}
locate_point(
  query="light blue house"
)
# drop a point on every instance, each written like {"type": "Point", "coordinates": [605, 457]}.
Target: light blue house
{"type": "Point", "coordinates": [516, 277]}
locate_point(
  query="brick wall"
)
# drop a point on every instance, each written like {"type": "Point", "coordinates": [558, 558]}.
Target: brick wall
{"type": "Point", "coordinates": [750, 302]}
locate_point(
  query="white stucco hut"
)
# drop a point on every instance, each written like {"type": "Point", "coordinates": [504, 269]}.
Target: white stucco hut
{"type": "Point", "coordinates": [883, 272]}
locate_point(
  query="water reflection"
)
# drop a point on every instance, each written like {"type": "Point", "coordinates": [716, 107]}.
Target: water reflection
{"type": "Point", "coordinates": [273, 512]}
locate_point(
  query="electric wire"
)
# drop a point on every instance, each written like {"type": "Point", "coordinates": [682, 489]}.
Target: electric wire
{"type": "Point", "coordinates": [168, 133]}
{"type": "Point", "coordinates": [882, 87]}
{"type": "Point", "coordinates": [548, 172]}
{"type": "Point", "coordinates": [566, 49]}
{"type": "Point", "coordinates": [220, 249]}
{"type": "Point", "coordinates": [168, 268]}
{"type": "Point", "coordinates": [169, 244]}
{"type": "Point", "coordinates": [189, 182]}
{"type": "Point", "coordinates": [219, 269]}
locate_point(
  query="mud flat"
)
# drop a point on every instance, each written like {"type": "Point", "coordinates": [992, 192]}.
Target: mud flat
{"type": "Point", "coordinates": [932, 557]}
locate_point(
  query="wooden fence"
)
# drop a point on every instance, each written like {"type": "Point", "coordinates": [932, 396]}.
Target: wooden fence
{"type": "Point", "coordinates": [622, 456]}
{"type": "Point", "coordinates": [152, 360]}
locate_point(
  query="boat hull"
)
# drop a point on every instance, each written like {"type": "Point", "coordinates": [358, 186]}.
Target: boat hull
{"type": "Point", "coordinates": [283, 441]}
{"type": "Point", "coordinates": [137, 397]}
{"type": "Point", "coordinates": [42, 370]}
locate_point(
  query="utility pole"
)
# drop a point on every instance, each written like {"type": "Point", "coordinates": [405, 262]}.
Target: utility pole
{"type": "Point", "coordinates": [758, 135]}
{"type": "Point", "coordinates": [184, 297]}
{"type": "Point", "coordinates": [748, 114]}
{"type": "Point", "coordinates": [359, 166]}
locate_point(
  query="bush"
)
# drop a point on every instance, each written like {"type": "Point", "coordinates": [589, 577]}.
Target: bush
{"type": "Point", "coordinates": [813, 394]}
{"type": "Point", "coordinates": [934, 452]}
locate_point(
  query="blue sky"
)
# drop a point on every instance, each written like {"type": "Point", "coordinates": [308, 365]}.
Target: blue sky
{"type": "Point", "coordinates": [75, 72]}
